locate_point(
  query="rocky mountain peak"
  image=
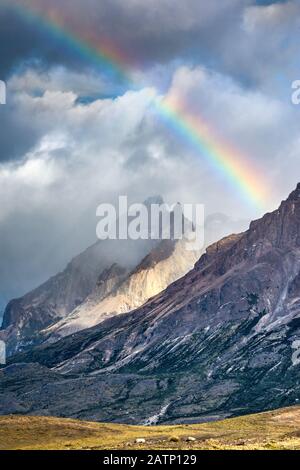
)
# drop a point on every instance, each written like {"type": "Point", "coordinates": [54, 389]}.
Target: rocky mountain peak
{"type": "Point", "coordinates": [295, 195]}
{"type": "Point", "coordinates": [280, 228]}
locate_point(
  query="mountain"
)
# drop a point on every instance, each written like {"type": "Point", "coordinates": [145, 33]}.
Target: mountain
{"type": "Point", "coordinates": [163, 265]}
{"type": "Point", "coordinates": [110, 277]}
{"type": "Point", "coordinates": [25, 317]}
{"type": "Point", "coordinates": [221, 341]}
{"type": "Point", "coordinates": [53, 300]}
{"type": "Point", "coordinates": [62, 293]}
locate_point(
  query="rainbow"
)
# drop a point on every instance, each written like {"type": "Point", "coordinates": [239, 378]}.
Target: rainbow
{"type": "Point", "coordinates": [195, 130]}
{"type": "Point", "coordinates": [225, 158]}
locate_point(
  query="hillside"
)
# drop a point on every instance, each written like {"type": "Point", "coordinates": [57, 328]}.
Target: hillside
{"type": "Point", "coordinates": [270, 431]}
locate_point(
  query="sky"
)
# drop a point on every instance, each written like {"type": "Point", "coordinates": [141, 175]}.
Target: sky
{"type": "Point", "coordinates": [74, 133]}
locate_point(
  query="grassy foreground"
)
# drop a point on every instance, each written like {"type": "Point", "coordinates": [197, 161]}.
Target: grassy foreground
{"type": "Point", "coordinates": [272, 430]}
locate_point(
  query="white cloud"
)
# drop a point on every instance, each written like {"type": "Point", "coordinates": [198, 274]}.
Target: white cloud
{"type": "Point", "coordinates": [108, 144]}
{"type": "Point", "coordinates": [61, 79]}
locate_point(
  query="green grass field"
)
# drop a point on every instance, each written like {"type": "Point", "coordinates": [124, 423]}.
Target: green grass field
{"type": "Point", "coordinates": [272, 430]}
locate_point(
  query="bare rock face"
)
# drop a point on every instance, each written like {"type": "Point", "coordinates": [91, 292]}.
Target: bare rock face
{"type": "Point", "coordinates": [221, 341]}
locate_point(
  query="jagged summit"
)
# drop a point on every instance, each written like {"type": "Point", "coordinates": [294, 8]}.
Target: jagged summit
{"type": "Point", "coordinates": [295, 194]}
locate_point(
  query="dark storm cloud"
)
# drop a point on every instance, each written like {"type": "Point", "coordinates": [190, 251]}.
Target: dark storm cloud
{"type": "Point", "coordinates": [17, 134]}
{"type": "Point", "coordinates": [24, 42]}
{"type": "Point", "coordinates": [16, 40]}
{"type": "Point", "coordinates": [146, 31]}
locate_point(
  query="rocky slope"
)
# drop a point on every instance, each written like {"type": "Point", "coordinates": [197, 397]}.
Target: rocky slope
{"type": "Point", "coordinates": [219, 342]}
